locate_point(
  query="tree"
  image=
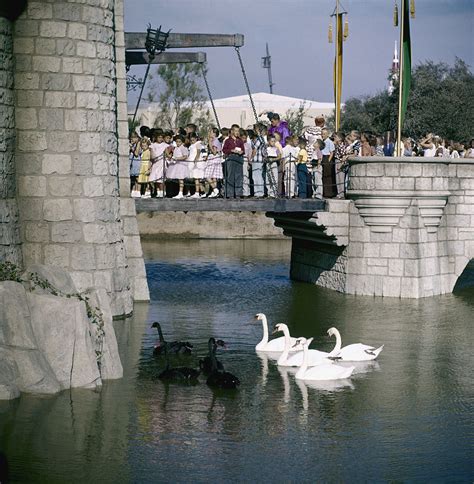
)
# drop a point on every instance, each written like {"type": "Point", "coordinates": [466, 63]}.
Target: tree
{"type": "Point", "coordinates": [440, 102]}
{"type": "Point", "coordinates": [295, 119]}
{"type": "Point", "coordinates": [180, 96]}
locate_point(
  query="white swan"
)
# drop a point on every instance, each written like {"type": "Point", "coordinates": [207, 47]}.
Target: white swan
{"type": "Point", "coordinates": [275, 345]}
{"type": "Point", "coordinates": [325, 371]}
{"type": "Point", "coordinates": [315, 357]}
{"type": "Point", "coordinates": [354, 352]}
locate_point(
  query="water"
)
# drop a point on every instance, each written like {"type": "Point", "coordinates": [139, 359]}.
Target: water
{"type": "Point", "coordinates": [408, 417]}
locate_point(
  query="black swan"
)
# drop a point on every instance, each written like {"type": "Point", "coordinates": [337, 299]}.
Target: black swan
{"type": "Point", "coordinates": [178, 374]}
{"type": "Point", "coordinates": [206, 363]}
{"type": "Point", "coordinates": [175, 347]}
{"type": "Point", "coordinates": [219, 378]}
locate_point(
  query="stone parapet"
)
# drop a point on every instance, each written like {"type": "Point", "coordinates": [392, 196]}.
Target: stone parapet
{"type": "Point", "coordinates": [409, 232]}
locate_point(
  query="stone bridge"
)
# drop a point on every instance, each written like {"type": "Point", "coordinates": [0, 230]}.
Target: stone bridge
{"type": "Point", "coordinates": [406, 230]}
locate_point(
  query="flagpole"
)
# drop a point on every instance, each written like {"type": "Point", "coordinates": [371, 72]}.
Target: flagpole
{"type": "Point", "coordinates": [336, 59]}
{"type": "Point", "coordinates": [400, 77]}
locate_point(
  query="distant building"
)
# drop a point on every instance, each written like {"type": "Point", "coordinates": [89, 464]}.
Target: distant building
{"type": "Point", "coordinates": [237, 109]}
{"type": "Point", "coordinates": [394, 71]}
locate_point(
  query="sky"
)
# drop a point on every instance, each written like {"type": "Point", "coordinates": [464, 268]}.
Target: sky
{"type": "Point", "coordinates": [297, 34]}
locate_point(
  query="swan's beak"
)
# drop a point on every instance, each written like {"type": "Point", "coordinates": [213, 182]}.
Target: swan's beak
{"type": "Point", "coordinates": [275, 331]}
{"type": "Point", "coordinates": [256, 316]}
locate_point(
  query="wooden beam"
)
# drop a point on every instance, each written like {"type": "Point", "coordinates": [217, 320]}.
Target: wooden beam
{"type": "Point", "coordinates": [136, 40]}
{"type": "Point", "coordinates": [272, 205]}
{"type": "Point", "coordinates": [133, 58]}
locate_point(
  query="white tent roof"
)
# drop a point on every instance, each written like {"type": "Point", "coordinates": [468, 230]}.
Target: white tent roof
{"type": "Point", "coordinates": [270, 102]}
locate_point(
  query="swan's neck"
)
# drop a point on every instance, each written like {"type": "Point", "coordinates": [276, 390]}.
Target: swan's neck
{"type": "Point", "coordinates": [286, 351]}
{"type": "Point", "coordinates": [338, 346]}
{"type": "Point", "coordinates": [265, 331]}
{"type": "Point", "coordinates": [304, 365]}
{"type": "Point", "coordinates": [160, 333]}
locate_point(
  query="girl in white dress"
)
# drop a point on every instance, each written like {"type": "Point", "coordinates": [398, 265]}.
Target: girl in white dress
{"type": "Point", "coordinates": [197, 165]}
{"type": "Point", "coordinates": [157, 151]}
{"type": "Point", "coordinates": [178, 167]}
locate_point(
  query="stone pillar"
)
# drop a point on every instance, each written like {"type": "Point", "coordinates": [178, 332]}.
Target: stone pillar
{"type": "Point", "coordinates": [9, 233]}
{"type": "Point", "coordinates": [67, 143]}
{"type": "Point", "coordinates": [131, 235]}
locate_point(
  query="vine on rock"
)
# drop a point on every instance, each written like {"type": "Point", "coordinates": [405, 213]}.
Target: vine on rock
{"type": "Point", "coordinates": [11, 272]}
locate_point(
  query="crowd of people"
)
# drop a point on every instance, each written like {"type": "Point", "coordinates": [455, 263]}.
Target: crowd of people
{"type": "Point", "coordinates": [266, 160]}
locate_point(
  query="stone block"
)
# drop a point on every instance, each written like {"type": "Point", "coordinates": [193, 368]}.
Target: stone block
{"type": "Point", "coordinates": [95, 233]}
{"type": "Point", "coordinates": [23, 62]}
{"type": "Point", "coordinates": [32, 253]}
{"type": "Point", "coordinates": [23, 45]}
{"type": "Point", "coordinates": [45, 46]}
{"type": "Point", "coordinates": [77, 31]}
{"type": "Point", "coordinates": [55, 82]}
{"type": "Point", "coordinates": [31, 141]}
{"type": "Point", "coordinates": [56, 210]}
{"type": "Point", "coordinates": [85, 49]}
{"type": "Point", "coordinates": [406, 183]}
{"type": "Point", "coordinates": [103, 279]}
{"type": "Point", "coordinates": [82, 280]}
{"type": "Point", "coordinates": [390, 250]}
{"type": "Point", "coordinates": [84, 210]}
{"type": "Point", "coordinates": [25, 118]}
{"type": "Point", "coordinates": [423, 183]}
{"type": "Point", "coordinates": [93, 187]}
{"type": "Point", "coordinates": [107, 210]}
{"type": "Point", "coordinates": [87, 100]}
{"type": "Point", "coordinates": [29, 99]}
{"type": "Point", "coordinates": [82, 257]}
{"type": "Point", "coordinates": [50, 28]}
{"type": "Point", "coordinates": [133, 247]}
{"type": "Point", "coordinates": [36, 232]}
{"type": "Point", "coordinates": [67, 11]}
{"type": "Point", "coordinates": [391, 286]}
{"type": "Point", "coordinates": [66, 232]}
{"type": "Point", "coordinates": [75, 120]}
{"type": "Point", "coordinates": [56, 164]}
{"type": "Point", "coordinates": [65, 47]}
{"type": "Point", "coordinates": [64, 186]}
{"type": "Point", "coordinates": [56, 255]}
{"type": "Point", "coordinates": [62, 141]}
{"type": "Point", "coordinates": [32, 186]}
{"type": "Point", "coordinates": [412, 268]}
{"type": "Point", "coordinates": [83, 83]}
{"type": "Point", "coordinates": [26, 28]}
{"type": "Point", "coordinates": [51, 119]}
{"type": "Point", "coordinates": [409, 251]}
{"type": "Point", "coordinates": [410, 169]}
{"type": "Point", "coordinates": [26, 80]}
{"type": "Point", "coordinates": [377, 270]}
{"type": "Point", "coordinates": [72, 65]}
{"type": "Point", "coordinates": [395, 267]}
{"type": "Point", "coordinates": [89, 142]}
{"type": "Point", "coordinates": [31, 209]}
{"type": "Point", "coordinates": [59, 99]}
{"type": "Point", "coordinates": [42, 63]}
{"type": "Point", "coordinates": [409, 287]}
{"type": "Point", "coordinates": [105, 256]}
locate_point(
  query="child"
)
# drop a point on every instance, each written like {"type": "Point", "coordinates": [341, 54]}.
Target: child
{"type": "Point", "coordinates": [213, 171]}
{"type": "Point", "coordinates": [135, 161]}
{"type": "Point", "coordinates": [273, 159]}
{"type": "Point", "coordinates": [247, 156]}
{"type": "Point", "coordinates": [339, 159]}
{"type": "Point", "coordinates": [290, 156]}
{"type": "Point", "coordinates": [317, 169]}
{"type": "Point", "coordinates": [157, 152]}
{"type": "Point", "coordinates": [196, 168]}
{"type": "Point", "coordinates": [178, 169]}
{"type": "Point", "coordinates": [145, 166]}
{"type": "Point", "coordinates": [302, 169]}
{"type": "Point", "coordinates": [379, 146]}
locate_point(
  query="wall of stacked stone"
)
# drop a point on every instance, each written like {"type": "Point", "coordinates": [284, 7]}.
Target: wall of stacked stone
{"type": "Point", "coordinates": [133, 248]}
{"type": "Point", "coordinates": [410, 231]}
{"type": "Point", "coordinates": [9, 232]}
{"type": "Point", "coordinates": [67, 143]}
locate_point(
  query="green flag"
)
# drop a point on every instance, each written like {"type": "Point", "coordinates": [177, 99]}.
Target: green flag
{"type": "Point", "coordinates": [405, 66]}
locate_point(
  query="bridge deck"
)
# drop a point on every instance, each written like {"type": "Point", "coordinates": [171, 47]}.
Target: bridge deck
{"type": "Point", "coordinates": [278, 205]}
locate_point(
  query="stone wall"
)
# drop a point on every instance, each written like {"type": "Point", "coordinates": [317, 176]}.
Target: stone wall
{"type": "Point", "coordinates": [9, 231]}
{"type": "Point", "coordinates": [67, 150]}
{"type": "Point", "coordinates": [409, 232]}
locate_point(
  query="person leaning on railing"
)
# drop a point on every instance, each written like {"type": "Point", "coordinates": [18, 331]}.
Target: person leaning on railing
{"type": "Point", "coordinates": [234, 150]}
{"type": "Point", "coordinates": [258, 159]}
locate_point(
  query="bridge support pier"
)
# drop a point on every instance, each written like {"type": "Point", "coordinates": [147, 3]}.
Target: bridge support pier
{"type": "Point", "coordinates": [407, 230]}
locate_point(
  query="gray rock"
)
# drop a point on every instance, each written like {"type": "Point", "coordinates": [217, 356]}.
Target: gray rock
{"type": "Point", "coordinates": [8, 376]}
{"type": "Point", "coordinates": [57, 276]}
{"type": "Point", "coordinates": [62, 332]}
{"type": "Point", "coordinates": [111, 366]}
